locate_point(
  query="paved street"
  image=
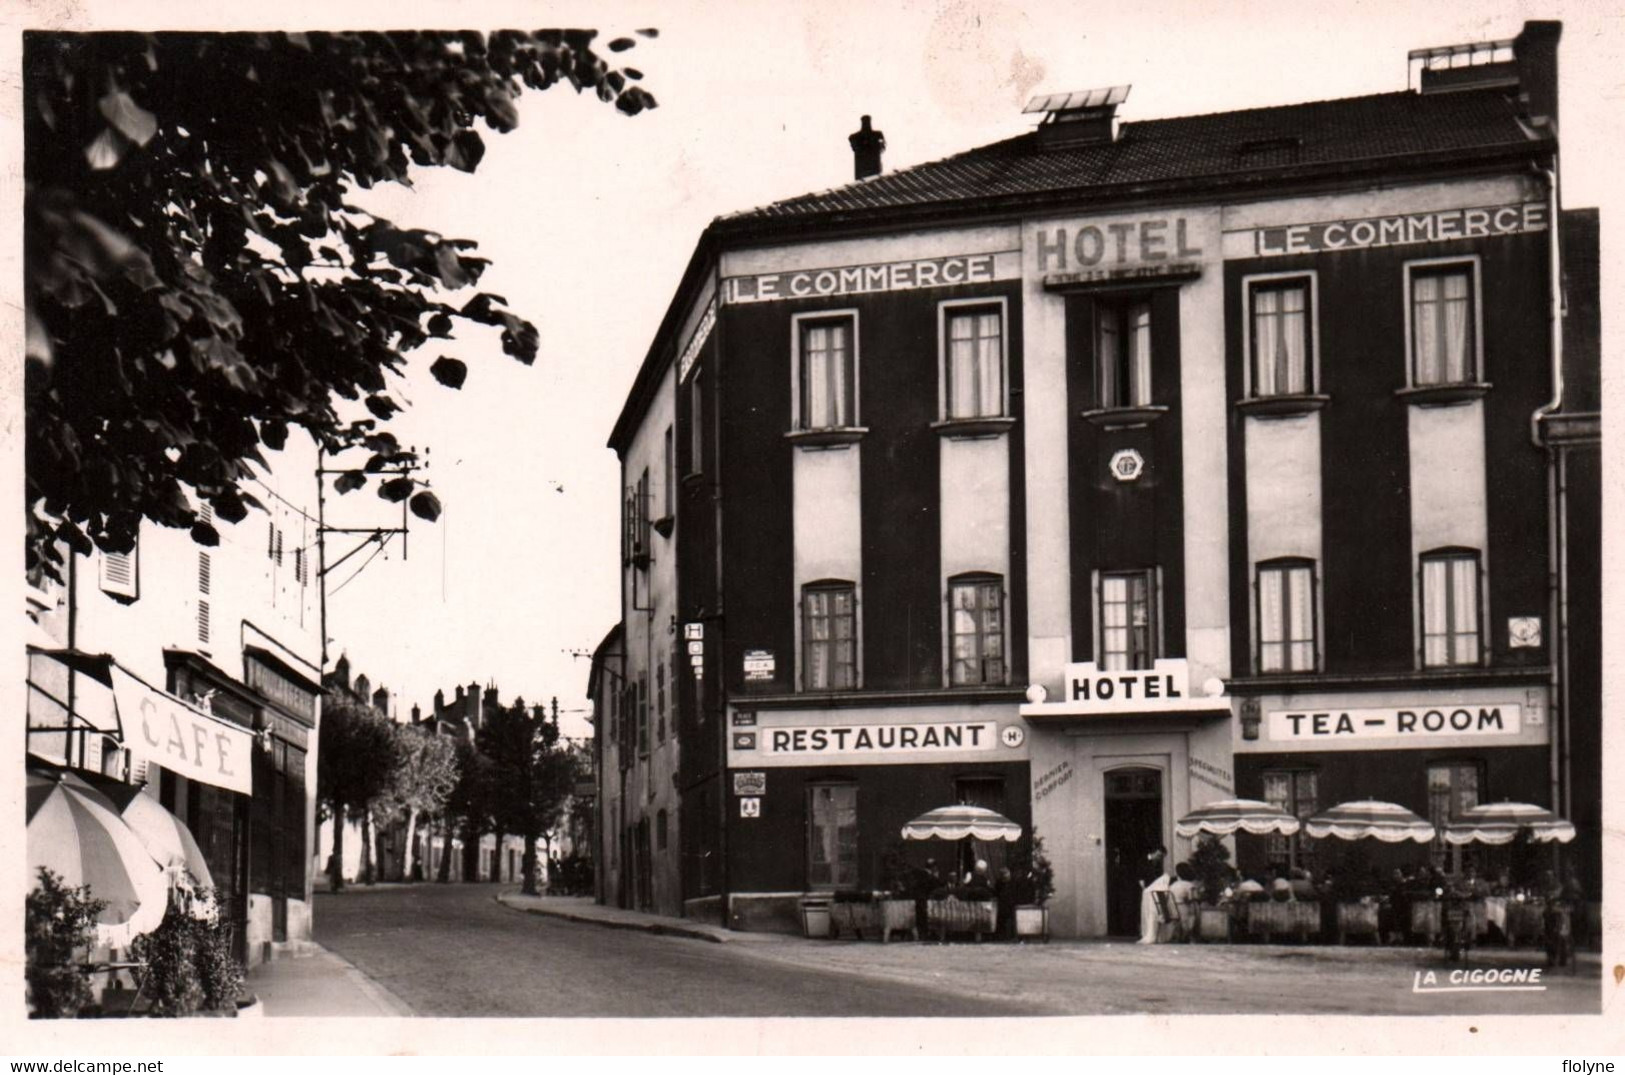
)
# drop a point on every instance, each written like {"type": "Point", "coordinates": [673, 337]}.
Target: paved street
{"type": "Point", "coordinates": [452, 950]}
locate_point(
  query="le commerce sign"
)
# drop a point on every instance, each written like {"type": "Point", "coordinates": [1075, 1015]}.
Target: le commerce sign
{"type": "Point", "coordinates": [187, 741]}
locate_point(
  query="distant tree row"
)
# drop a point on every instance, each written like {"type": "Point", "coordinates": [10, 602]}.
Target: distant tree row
{"type": "Point", "coordinates": [515, 778]}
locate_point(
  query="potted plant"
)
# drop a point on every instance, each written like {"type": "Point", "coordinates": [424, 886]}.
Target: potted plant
{"type": "Point", "coordinates": [1032, 883]}
{"type": "Point", "coordinates": [895, 906]}
{"type": "Point", "coordinates": [1215, 920]}
{"type": "Point", "coordinates": [60, 931]}
{"type": "Point", "coordinates": [815, 916]}
{"type": "Point", "coordinates": [853, 913]}
{"type": "Point", "coordinates": [966, 907]}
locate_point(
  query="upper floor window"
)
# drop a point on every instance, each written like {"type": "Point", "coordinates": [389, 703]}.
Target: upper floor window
{"type": "Point", "coordinates": [829, 634]}
{"type": "Point", "coordinates": [121, 573]}
{"type": "Point", "coordinates": [973, 360]}
{"type": "Point", "coordinates": [1444, 324]}
{"type": "Point", "coordinates": [826, 369]}
{"type": "Point", "coordinates": [1127, 616]}
{"type": "Point", "coordinates": [1123, 353]}
{"type": "Point", "coordinates": [976, 630]}
{"type": "Point", "coordinates": [1286, 616]}
{"type": "Point", "coordinates": [1282, 337]}
{"type": "Point", "coordinates": [1450, 608]}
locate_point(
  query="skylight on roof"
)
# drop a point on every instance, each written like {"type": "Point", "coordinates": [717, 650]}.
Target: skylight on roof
{"type": "Point", "coordinates": [1067, 102]}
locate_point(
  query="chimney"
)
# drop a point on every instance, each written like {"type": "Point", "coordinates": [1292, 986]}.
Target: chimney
{"type": "Point", "coordinates": [1534, 51]}
{"type": "Point", "coordinates": [417, 714]}
{"type": "Point", "coordinates": [380, 700]}
{"type": "Point", "coordinates": [341, 671]}
{"type": "Point", "coordinates": [363, 687]}
{"type": "Point", "coordinates": [439, 704]}
{"type": "Point", "coordinates": [867, 146]}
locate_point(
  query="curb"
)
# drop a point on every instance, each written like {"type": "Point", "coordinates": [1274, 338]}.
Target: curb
{"type": "Point", "coordinates": [659, 928]}
{"type": "Point", "coordinates": [374, 991]}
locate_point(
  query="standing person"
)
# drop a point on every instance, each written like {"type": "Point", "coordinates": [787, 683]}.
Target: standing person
{"type": "Point", "coordinates": [1150, 931]}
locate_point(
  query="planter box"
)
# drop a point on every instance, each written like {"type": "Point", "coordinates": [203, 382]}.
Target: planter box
{"type": "Point", "coordinates": [1032, 922]}
{"type": "Point", "coordinates": [961, 916]}
{"type": "Point", "coordinates": [1356, 919]}
{"type": "Point", "coordinates": [1269, 920]}
{"type": "Point", "coordinates": [897, 916]}
{"type": "Point", "coordinates": [1215, 924]}
{"type": "Point", "coordinates": [1525, 921]}
{"type": "Point", "coordinates": [815, 917]}
{"type": "Point", "coordinates": [853, 919]}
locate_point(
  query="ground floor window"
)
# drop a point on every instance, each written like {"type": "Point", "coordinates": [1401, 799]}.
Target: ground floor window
{"type": "Point", "coordinates": [832, 836]}
{"type": "Point", "coordinates": [1452, 787]}
{"type": "Point", "coordinates": [1297, 791]}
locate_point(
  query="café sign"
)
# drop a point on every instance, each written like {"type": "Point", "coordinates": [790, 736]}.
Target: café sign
{"type": "Point", "coordinates": [1412, 724]}
{"type": "Point", "coordinates": [187, 741]}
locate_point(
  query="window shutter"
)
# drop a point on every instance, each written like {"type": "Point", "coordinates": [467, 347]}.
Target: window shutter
{"type": "Point", "coordinates": [120, 574]}
{"type": "Point", "coordinates": [277, 555]}
{"type": "Point", "coordinates": [203, 621]}
{"type": "Point", "coordinates": [138, 769]}
{"type": "Point", "coordinates": [204, 571]}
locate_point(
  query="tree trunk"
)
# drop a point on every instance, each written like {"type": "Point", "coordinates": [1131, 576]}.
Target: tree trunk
{"type": "Point", "coordinates": [410, 859]}
{"type": "Point", "coordinates": [335, 867]}
{"type": "Point", "coordinates": [530, 865]}
{"type": "Point", "coordinates": [496, 867]}
{"type": "Point", "coordinates": [366, 847]}
{"type": "Point", "coordinates": [471, 854]}
{"type": "Point", "coordinates": [445, 850]}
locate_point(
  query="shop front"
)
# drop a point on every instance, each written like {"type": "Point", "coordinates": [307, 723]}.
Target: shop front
{"type": "Point", "coordinates": [1434, 750]}
{"type": "Point", "coordinates": [819, 798]}
{"type": "Point", "coordinates": [1115, 761]}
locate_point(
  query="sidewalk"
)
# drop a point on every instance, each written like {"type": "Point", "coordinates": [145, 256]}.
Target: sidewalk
{"type": "Point", "coordinates": [317, 982]}
{"type": "Point", "coordinates": [583, 909]}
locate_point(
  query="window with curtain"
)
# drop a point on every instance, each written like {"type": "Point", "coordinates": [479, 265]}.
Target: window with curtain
{"type": "Point", "coordinates": [1452, 788]}
{"type": "Point", "coordinates": [1123, 353]}
{"type": "Point", "coordinates": [829, 648]}
{"type": "Point", "coordinates": [832, 836]}
{"type": "Point", "coordinates": [1443, 349]}
{"type": "Point", "coordinates": [976, 630]}
{"type": "Point", "coordinates": [1286, 616]}
{"type": "Point", "coordinates": [1297, 791]}
{"type": "Point", "coordinates": [1128, 636]}
{"type": "Point", "coordinates": [1450, 613]}
{"type": "Point", "coordinates": [975, 362]}
{"type": "Point", "coordinates": [827, 373]}
{"type": "Point", "coordinates": [1281, 338]}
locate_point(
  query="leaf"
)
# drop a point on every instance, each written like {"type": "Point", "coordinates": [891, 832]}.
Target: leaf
{"type": "Point", "coordinates": [274, 433]}
{"type": "Point", "coordinates": [426, 505]}
{"type": "Point", "coordinates": [500, 112]}
{"type": "Point", "coordinates": [621, 44]}
{"type": "Point", "coordinates": [382, 406]}
{"type": "Point", "coordinates": [451, 269]}
{"type": "Point", "coordinates": [350, 480]}
{"type": "Point", "coordinates": [106, 150]}
{"type": "Point", "coordinates": [396, 490]}
{"type": "Point", "coordinates": [205, 534]}
{"type": "Point", "coordinates": [449, 371]}
{"type": "Point", "coordinates": [127, 117]}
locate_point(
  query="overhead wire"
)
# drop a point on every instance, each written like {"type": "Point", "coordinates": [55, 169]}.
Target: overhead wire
{"type": "Point", "coordinates": [381, 545]}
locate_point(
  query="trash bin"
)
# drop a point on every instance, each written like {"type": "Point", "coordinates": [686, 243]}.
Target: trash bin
{"type": "Point", "coordinates": [815, 916]}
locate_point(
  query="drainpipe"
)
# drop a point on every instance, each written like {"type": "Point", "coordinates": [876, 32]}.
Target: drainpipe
{"type": "Point", "coordinates": [1558, 714]}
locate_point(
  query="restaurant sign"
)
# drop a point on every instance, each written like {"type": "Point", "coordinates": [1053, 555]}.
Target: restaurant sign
{"type": "Point", "coordinates": [1392, 230]}
{"type": "Point", "coordinates": [1415, 724]}
{"type": "Point", "coordinates": [821, 740]}
{"type": "Point", "coordinates": [187, 741]}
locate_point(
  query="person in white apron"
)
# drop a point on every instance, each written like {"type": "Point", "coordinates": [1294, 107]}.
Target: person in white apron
{"type": "Point", "coordinates": [1150, 925]}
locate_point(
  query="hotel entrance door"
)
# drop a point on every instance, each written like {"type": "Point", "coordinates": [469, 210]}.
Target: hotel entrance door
{"type": "Point", "coordinates": [1133, 831]}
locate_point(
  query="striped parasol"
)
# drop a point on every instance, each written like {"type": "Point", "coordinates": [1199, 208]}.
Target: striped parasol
{"type": "Point", "coordinates": [76, 831]}
{"type": "Point", "coordinates": [1228, 816]}
{"type": "Point", "coordinates": [1388, 822]}
{"type": "Point", "coordinates": [958, 822]}
{"type": "Point", "coordinates": [165, 836]}
{"type": "Point", "coordinates": [1500, 823]}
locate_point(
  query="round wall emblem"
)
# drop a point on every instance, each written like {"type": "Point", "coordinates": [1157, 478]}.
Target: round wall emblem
{"type": "Point", "coordinates": [1013, 735]}
{"type": "Point", "coordinates": [1127, 465]}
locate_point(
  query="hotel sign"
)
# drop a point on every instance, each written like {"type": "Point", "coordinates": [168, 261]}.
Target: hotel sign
{"type": "Point", "coordinates": [1149, 241]}
{"type": "Point", "coordinates": [1089, 690]}
{"type": "Point", "coordinates": [863, 279]}
{"type": "Point", "coordinates": [1397, 229]}
{"type": "Point", "coordinates": [1401, 725]}
{"type": "Point", "coordinates": [166, 731]}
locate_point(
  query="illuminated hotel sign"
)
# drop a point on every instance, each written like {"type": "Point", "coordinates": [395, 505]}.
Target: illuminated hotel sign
{"type": "Point", "coordinates": [1163, 688]}
{"type": "Point", "coordinates": [1414, 723]}
{"type": "Point", "coordinates": [862, 279]}
{"type": "Point", "coordinates": [1395, 230]}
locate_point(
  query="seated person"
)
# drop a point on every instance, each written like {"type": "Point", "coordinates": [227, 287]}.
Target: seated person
{"type": "Point", "coordinates": [1251, 890]}
{"type": "Point", "coordinates": [1303, 884]}
{"type": "Point", "coordinates": [1281, 886]}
